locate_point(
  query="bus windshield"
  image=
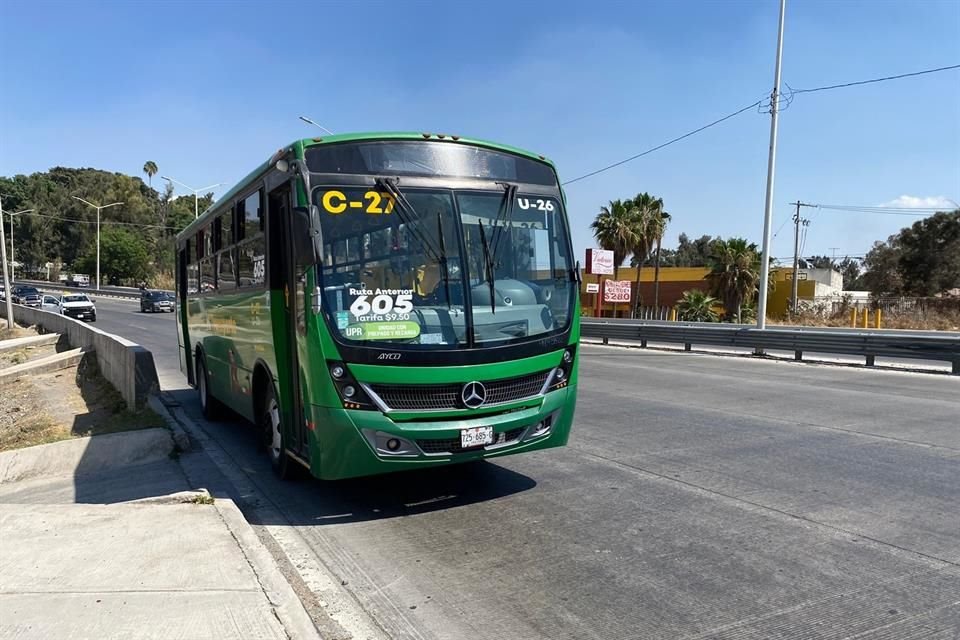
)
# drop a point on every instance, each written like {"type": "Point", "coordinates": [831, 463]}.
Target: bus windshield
{"type": "Point", "coordinates": [441, 268]}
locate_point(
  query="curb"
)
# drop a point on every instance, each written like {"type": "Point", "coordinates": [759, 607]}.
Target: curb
{"type": "Point", "coordinates": [282, 598]}
{"type": "Point", "coordinates": [46, 364]}
{"type": "Point", "coordinates": [95, 453]}
{"type": "Point", "coordinates": [180, 437]}
{"type": "Point", "coordinates": [41, 340]}
{"type": "Point", "coordinates": [286, 604]}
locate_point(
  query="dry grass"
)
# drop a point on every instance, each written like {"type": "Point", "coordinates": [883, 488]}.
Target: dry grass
{"type": "Point", "coordinates": [930, 321]}
{"type": "Point", "coordinates": [162, 281]}
{"type": "Point", "coordinates": [70, 403]}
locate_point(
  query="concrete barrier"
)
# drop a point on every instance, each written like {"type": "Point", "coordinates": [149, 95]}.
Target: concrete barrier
{"type": "Point", "coordinates": [92, 454]}
{"type": "Point", "coordinates": [126, 365]}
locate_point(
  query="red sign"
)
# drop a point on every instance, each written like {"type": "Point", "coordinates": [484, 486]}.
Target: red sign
{"type": "Point", "coordinates": [616, 291]}
{"type": "Point", "coordinates": [600, 262]}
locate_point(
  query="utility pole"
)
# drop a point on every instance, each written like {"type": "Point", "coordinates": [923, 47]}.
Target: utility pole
{"type": "Point", "coordinates": [771, 165]}
{"type": "Point", "coordinates": [797, 221]}
{"type": "Point", "coordinates": [7, 294]}
{"type": "Point", "coordinates": [99, 208]}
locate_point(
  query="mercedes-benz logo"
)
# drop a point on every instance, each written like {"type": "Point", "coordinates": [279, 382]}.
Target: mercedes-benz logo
{"type": "Point", "coordinates": [473, 395]}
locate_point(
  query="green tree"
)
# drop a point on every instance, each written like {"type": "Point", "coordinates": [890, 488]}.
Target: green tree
{"type": "Point", "coordinates": [689, 253]}
{"type": "Point", "coordinates": [882, 263]}
{"type": "Point", "coordinates": [150, 168]}
{"type": "Point", "coordinates": [930, 254]}
{"type": "Point", "coordinates": [818, 262]}
{"type": "Point", "coordinates": [697, 306]}
{"type": "Point", "coordinates": [734, 274]}
{"type": "Point", "coordinates": [123, 257]}
{"type": "Point", "coordinates": [850, 269]}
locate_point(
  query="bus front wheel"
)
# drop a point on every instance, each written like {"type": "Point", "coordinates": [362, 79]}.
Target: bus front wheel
{"type": "Point", "coordinates": [210, 406]}
{"type": "Point", "coordinates": [271, 427]}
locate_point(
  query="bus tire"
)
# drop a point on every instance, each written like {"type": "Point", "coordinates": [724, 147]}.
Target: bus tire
{"type": "Point", "coordinates": [271, 430]}
{"type": "Point", "coordinates": [211, 407]}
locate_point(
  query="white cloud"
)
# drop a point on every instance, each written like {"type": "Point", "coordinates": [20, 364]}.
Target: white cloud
{"type": "Point", "coordinates": [917, 202]}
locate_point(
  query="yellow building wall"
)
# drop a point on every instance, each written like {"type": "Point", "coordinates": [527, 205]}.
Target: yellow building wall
{"type": "Point", "coordinates": [777, 300]}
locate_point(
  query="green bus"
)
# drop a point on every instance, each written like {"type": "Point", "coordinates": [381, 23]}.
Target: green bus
{"type": "Point", "coordinates": [385, 301]}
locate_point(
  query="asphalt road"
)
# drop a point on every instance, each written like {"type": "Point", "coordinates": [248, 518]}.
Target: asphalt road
{"type": "Point", "coordinates": [700, 497]}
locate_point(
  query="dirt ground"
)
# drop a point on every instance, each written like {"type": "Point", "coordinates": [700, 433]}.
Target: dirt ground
{"type": "Point", "coordinates": [70, 403]}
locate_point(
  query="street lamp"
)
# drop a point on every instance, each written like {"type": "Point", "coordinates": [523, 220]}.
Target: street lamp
{"type": "Point", "coordinates": [196, 200]}
{"type": "Point", "coordinates": [13, 264]}
{"type": "Point", "coordinates": [322, 128]}
{"type": "Point", "coordinates": [99, 208]}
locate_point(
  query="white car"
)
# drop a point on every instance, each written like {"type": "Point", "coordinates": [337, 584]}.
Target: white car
{"type": "Point", "coordinates": [77, 305]}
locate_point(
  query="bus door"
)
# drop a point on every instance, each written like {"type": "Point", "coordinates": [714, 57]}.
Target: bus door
{"type": "Point", "coordinates": [288, 333]}
{"type": "Point", "coordinates": [183, 336]}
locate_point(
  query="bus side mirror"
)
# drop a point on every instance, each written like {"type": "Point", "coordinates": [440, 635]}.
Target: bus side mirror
{"type": "Point", "coordinates": [307, 240]}
{"type": "Point", "coordinates": [577, 274]}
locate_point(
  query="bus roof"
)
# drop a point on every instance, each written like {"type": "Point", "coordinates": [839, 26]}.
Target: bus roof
{"type": "Point", "coordinates": [299, 145]}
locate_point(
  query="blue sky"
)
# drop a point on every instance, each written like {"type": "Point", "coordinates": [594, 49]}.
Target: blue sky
{"type": "Point", "coordinates": [209, 89]}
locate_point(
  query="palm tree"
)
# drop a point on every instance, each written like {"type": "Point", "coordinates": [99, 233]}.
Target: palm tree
{"type": "Point", "coordinates": [657, 228]}
{"type": "Point", "coordinates": [646, 211]}
{"type": "Point", "coordinates": [697, 306]}
{"type": "Point", "coordinates": [734, 273]}
{"type": "Point", "coordinates": [615, 230]}
{"type": "Point", "coordinates": [150, 168]}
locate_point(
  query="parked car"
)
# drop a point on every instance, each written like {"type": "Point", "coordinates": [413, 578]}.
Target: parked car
{"type": "Point", "coordinates": [79, 306]}
{"type": "Point", "coordinates": [25, 295]}
{"type": "Point", "coordinates": [154, 301]}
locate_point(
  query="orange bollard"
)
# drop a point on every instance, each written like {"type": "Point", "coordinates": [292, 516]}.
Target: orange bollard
{"type": "Point", "coordinates": [877, 319]}
{"type": "Point", "coordinates": [866, 318]}
{"type": "Point", "coordinates": [673, 314]}
{"type": "Point", "coordinates": [853, 318]}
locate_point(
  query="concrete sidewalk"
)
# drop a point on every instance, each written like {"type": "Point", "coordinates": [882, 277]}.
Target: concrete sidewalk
{"type": "Point", "coordinates": [132, 552]}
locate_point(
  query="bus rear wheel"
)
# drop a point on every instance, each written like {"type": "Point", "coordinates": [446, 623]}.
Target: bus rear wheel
{"type": "Point", "coordinates": [271, 429]}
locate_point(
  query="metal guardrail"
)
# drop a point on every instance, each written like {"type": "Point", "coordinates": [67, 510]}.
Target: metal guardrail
{"type": "Point", "coordinates": [116, 292]}
{"type": "Point", "coordinates": [866, 343]}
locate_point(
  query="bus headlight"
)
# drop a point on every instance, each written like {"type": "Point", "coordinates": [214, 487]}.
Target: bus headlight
{"type": "Point", "coordinates": [561, 375]}
{"type": "Point", "coordinates": [351, 393]}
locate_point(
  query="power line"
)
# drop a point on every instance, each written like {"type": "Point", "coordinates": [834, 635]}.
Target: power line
{"type": "Point", "coordinates": [786, 96]}
{"type": "Point", "coordinates": [883, 79]}
{"type": "Point", "coordinates": [665, 144]}
{"type": "Point", "coordinates": [889, 211]}
{"type": "Point", "coordinates": [102, 222]}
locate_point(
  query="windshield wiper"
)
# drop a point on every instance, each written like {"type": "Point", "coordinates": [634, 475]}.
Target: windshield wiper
{"type": "Point", "coordinates": [505, 212]}
{"type": "Point", "coordinates": [444, 268]}
{"type": "Point", "coordinates": [488, 267]}
{"type": "Point", "coordinates": [406, 212]}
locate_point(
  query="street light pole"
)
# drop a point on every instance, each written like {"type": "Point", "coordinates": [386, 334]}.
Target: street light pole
{"type": "Point", "coordinates": [771, 164]}
{"type": "Point", "coordinates": [196, 197]}
{"type": "Point", "coordinates": [7, 294]}
{"type": "Point", "coordinates": [99, 208]}
{"type": "Point", "coordinates": [13, 260]}
{"type": "Point", "coordinates": [316, 124]}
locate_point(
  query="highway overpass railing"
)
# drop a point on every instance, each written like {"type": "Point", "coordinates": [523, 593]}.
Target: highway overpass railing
{"type": "Point", "coordinates": [869, 344]}
{"type": "Point", "coordinates": [104, 291]}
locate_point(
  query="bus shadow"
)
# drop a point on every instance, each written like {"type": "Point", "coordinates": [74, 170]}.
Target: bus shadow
{"type": "Point", "coordinates": [408, 493]}
{"type": "Point", "coordinates": [311, 502]}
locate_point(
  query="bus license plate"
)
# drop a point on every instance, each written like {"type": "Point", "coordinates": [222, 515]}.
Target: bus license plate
{"type": "Point", "coordinates": [476, 437]}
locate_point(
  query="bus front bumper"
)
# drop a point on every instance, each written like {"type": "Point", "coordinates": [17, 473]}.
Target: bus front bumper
{"type": "Point", "coordinates": [369, 442]}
